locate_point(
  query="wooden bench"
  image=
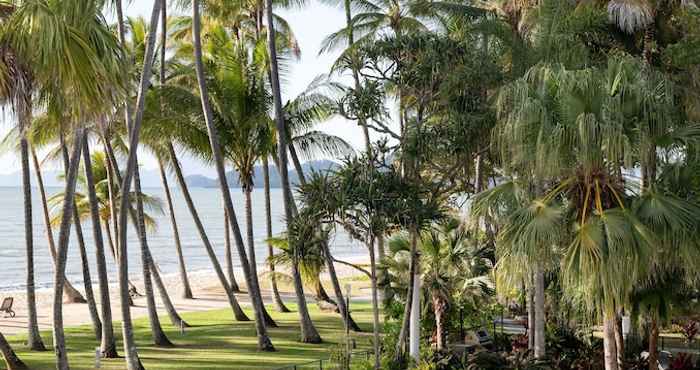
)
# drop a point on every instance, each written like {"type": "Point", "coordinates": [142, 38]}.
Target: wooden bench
{"type": "Point", "coordinates": [6, 306]}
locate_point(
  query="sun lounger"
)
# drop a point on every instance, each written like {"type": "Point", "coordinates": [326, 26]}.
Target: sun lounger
{"type": "Point", "coordinates": [7, 306]}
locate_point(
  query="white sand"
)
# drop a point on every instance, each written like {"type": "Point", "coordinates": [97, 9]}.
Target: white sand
{"type": "Point", "coordinates": [206, 289]}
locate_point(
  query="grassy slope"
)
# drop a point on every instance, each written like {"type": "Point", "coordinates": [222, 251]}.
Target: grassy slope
{"type": "Point", "coordinates": [214, 342]}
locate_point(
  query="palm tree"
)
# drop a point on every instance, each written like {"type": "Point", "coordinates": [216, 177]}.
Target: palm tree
{"type": "Point", "coordinates": [268, 225]}
{"type": "Point", "coordinates": [12, 361]}
{"type": "Point", "coordinates": [264, 342]}
{"type": "Point", "coordinates": [309, 334]}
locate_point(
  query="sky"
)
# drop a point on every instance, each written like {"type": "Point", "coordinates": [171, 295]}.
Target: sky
{"type": "Point", "coordinates": [310, 25]}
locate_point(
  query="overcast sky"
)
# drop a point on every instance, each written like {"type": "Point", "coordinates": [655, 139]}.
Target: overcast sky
{"type": "Point", "coordinates": [310, 24]}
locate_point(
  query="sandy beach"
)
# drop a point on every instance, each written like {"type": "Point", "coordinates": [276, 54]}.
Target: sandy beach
{"type": "Point", "coordinates": [207, 291]}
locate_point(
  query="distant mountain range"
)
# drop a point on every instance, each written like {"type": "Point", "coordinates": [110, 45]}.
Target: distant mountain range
{"type": "Point", "coordinates": [200, 181]}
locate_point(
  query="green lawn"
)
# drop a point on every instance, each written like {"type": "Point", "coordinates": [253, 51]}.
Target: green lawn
{"type": "Point", "coordinates": [214, 342]}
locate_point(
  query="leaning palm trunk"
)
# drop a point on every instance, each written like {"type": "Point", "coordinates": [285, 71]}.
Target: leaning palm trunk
{"type": "Point", "coordinates": [279, 304]}
{"type": "Point", "coordinates": [159, 337]}
{"type": "Point", "coordinates": [12, 362]}
{"type": "Point", "coordinates": [34, 341]}
{"type": "Point", "coordinates": [132, 360]}
{"type": "Point", "coordinates": [375, 306]}
{"type": "Point", "coordinates": [609, 348]}
{"type": "Point", "coordinates": [342, 304]}
{"type": "Point", "coordinates": [137, 218]}
{"type": "Point", "coordinates": [309, 334]}
{"type": "Point", "coordinates": [251, 249]}
{"type": "Point", "coordinates": [229, 256]}
{"type": "Point", "coordinates": [186, 289]}
{"type": "Point", "coordinates": [70, 294]}
{"type": "Point", "coordinates": [108, 346]}
{"type": "Point", "coordinates": [264, 342]}
{"type": "Point", "coordinates": [540, 349]}
{"type": "Point", "coordinates": [233, 302]}
{"type": "Point", "coordinates": [62, 251]}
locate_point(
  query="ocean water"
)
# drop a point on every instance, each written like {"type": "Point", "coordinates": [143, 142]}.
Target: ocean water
{"type": "Point", "coordinates": [160, 239]}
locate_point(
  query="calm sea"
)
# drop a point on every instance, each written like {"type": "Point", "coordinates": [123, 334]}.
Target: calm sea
{"type": "Point", "coordinates": [209, 206]}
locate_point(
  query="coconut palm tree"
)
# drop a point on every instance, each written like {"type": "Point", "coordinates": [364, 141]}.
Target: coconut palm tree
{"type": "Point", "coordinates": [264, 342]}
{"type": "Point", "coordinates": [309, 334]}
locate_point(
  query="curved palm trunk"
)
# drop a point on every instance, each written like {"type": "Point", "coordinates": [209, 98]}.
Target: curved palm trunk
{"type": "Point", "coordinates": [279, 304]}
{"type": "Point", "coordinates": [264, 342]}
{"type": "Point", "coordinates": [309, 334]}
{"type": "Point", "coordinates": [62, 252]}
{"type": "Point", "coordinates": [132, 360]}
{"type": "Point", "coordinates": [609, 348]}
{"type": "Point", "coordinates": [87, 280]}
{"type": "Point", "coordinates": [229, 256]}
{"type": "Point", "coordinates": [108, 345]}
{"type": "Point", "coordinates": [12, 362]}
{"type": "Point", "coordinates": [70, 294]}
{"type": "Point", "coordinates": [34, 341]}
{"type": "Point", "coordinates": [186, 289]}
{"type": "Point", "coordinates": [233, 302]}
{"type": "Point", "coordinates": [540, 349]}
{"type": "Point", "coordinates": [342, 305]}
{"type": "Point", "coordinates": [375, 307]}
{"type": "Point", "coordinates": [251, 249]}
{"type": "Point", "coordinates": [159, 337]}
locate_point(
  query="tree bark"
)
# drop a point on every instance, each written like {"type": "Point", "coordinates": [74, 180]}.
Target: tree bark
{"type": "Point", "coordinates": [85, 265]}
{"type": "Point", "coordinates": [264, 342]}
{"type": "Point", "coordinates": [531, 315]}
{"type": "Point", "coordinates": [414, 328]}
{"type": "Point", "coordinates": [251, 248]}
{"type": "Point", "coordinates": [653, 344]}
{"type": "Point", "coordinates": [237, 311]}
{"type": "Point", "coordinates": [186, 289]}
{"type": "Point", "coordinates": [132, 360]}
{"type": "Point", "coordinates": [309, 334]}
{"type": "Point", "coordinates": [34, 341]}
{"type": "Point", "coordinates": [279, 304]}
{"type": "Point", "coordinates": [229, 256]}
{"type": "Point", "coordinates": [342, 305]}
{"type": "Point", "coordinates": [619, 342]}
{"type": "Point", "coordinates": [12, 361]}
{"type": "Point", "coordinates": [609, 349]}
{"type": "Point", "coordinates": [70, 294]}
{"type": "Point", "coordinates": [540, 349]}
{"type": "Point", "coordinates": [375, 307]}
{"type": "Point", "coordinates": [403, 333]}
{"type": "Point", "coordinates": [108, 346]}
{"type": "Point", "coordinates": [62, 252]}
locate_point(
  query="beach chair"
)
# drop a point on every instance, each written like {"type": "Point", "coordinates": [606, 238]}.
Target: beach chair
{"type": "Point", "coordinates": [6, 306]}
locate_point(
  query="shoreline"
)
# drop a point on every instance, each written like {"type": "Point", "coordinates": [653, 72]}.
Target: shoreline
{"type": "Point", "coordinates": [206, 288]}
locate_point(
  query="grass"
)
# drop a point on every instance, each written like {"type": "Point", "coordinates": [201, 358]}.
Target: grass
{"type": "Point", "coordinates": [214, 341]}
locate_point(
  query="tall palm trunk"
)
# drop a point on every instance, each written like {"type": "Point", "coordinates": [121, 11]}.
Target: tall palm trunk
{"type": "Point", "coordinates": [309, 334]}
{"type": "Point", "coordinates": [264, 342]}
{"type": "Point", "coordinates": [137, 218]}
{"type": "Point", "coordinates": [531, 316]}
{"type": "Point", "coordinates": [34, 341]}
{"type": "Point", "coordinates": [132, 360]}
{"type": "Point", "coordinates": [70, 294]}
{"type": "Point", "coordinates": [653, 344]}
{"type": "Point", "coordinates": [186, 289]}
{"type": "Point", "coordinates": [229, 256]}
{"type": "Point", "coordinates": [87, 280]}
{"type": "Point", "coordinates": [237, 311]}
{"type": "Point", "coordinates": [251, 248]}
{"type": "Point", "coordinates": [609, 348]}
{"type": "Point", "coordinates": [439, 310]}
{"type": "Point", "coordinates": [619, 342]}
{"type": "Point", "coordinates": [279, 304]}
{"type": "Point", "coordinates": [375, 306]}
{"type": "Point", "coordinates": [108, 346]}
{"type": "Point", "coordinates": [403, 333]}
{"type": "Point", "coordinates": [540, 349]}
{"type": "Point", "coordinates": [62, 252]}
{"type": "Point", "coordinates": [12, 362]}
